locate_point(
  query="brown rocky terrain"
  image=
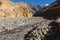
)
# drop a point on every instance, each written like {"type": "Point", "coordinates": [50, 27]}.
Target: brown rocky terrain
{"type": "Point", "coordinates": [33, 28]}
{"type": "Point", "coordinates": [58, 28]}
{"type": "Point", "coordinates": [51, 12]}
{"type": "Point", "coordinates": [11, 10]}
{"type": "Point", "coordinates": [17, 23]}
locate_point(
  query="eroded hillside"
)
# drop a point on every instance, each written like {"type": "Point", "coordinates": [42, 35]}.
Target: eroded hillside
{"type": "Point", "coordinates": [11, 10]}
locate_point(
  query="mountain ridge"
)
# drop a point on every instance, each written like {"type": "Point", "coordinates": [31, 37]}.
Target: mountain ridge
{"type": "Point", "coordinates": [10, 9]}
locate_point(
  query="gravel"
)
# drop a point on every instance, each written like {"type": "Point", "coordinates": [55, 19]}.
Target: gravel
{"type": "Point", "coordinates": [32, 28]}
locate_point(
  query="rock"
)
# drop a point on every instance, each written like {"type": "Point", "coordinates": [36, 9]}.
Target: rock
{"type": "Point", "coordinates": [32, 28]}
{"type": "Point", "coordinates": [10, 10]}
{"type": "Point", "coordinates": [51, 12]}
{"type": "Point", "coordinates": [58, 28]}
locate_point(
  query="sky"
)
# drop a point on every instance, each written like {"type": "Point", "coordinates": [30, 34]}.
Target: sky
{"type": "Point", "coordinates": [35, 2]}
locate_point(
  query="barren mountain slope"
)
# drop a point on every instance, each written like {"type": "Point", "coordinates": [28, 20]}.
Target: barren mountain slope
{"type": "Point", "coordinates": [10, 9]}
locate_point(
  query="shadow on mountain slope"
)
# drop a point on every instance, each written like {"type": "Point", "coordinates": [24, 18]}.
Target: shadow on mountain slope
{"type": "Point", "coordinates": [47, 15]}
{"type": "Point", "coordinates": [52, 34]}
{"type": "Point", "coordinates": [51, 12]}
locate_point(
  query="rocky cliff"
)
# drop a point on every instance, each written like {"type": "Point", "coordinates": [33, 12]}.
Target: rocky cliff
{"type": "Point", "coordinates": [51, 12]}
{"type": "Point", "coordinates": [11, 10]}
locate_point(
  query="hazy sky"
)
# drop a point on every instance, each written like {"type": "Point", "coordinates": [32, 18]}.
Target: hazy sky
{"type": "Point", "coordinates": [35, 2]}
